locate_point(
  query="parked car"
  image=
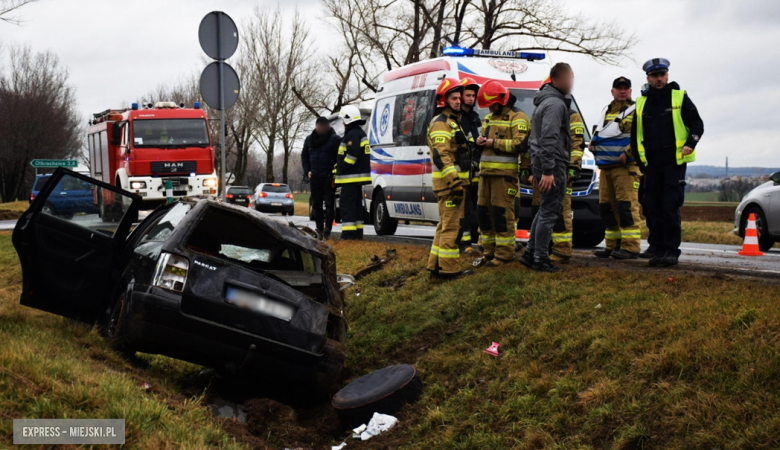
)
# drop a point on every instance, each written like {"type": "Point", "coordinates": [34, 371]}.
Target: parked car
{"type": "Point", "coordinates": [238, 195]}
{"type": "Point", "coordinates": [274, 197]}
{"type": "Point", "coordinates": [207, 282]}
{"type": "Point", "coordinates": [70, 196]}
{"type": "Point", "coordinates": [764, 202]}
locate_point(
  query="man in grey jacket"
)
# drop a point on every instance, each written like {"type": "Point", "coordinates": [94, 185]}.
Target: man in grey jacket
{"type": "Point", "coordinates": [550, 149]}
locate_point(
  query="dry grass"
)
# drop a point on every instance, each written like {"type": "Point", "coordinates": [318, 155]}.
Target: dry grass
{"type": "Point", "coordinates": [15, 206]}
{"type": "Point", "coordinates": [670, 360]}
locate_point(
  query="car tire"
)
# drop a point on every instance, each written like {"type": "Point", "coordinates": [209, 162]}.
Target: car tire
{"type": "Point", "coordinates": [115, 329]}
{"type": "Point", "coordinates": [384, 225]}
{"type": "Point", "coordinates": [765, 241]}
{"type": "Point", "coordinates": [587, 239]}
{"type": "Point", "coordinates": [48, 209]}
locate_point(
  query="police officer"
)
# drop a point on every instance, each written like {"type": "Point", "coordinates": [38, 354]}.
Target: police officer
{"type": "Point", "coordinates": [471, 124]}
{"type": "Point", "coordinates": [503, 132]}
{"type": "Point", "coordinates": [664, 135]}
{"type": "Point", "coordinates": [451, 163]}
{"type": "Point", "coordinates": [353, 170]}
{"type": "Point", "coordinates": [619, 176]}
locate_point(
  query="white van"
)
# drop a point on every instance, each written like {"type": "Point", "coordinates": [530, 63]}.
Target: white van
{"type": "Point", "coordinates": [401, 187]}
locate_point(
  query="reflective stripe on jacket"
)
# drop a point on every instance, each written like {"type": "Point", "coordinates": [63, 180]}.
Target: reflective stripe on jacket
{"type": "Point", "coordinates": [680, 130]}
{"type": "Point", "coordinates": [508, 129]}
{"type": "Point", "coordinates": [353, 164]}
{"type": "Point", "coordinates": [444, 132]}
{"type": "Point", "coordinates": [613, 136]}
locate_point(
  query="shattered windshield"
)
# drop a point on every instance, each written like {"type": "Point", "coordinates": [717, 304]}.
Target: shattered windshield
{"type": "Point", "coordinates": [170, 133]}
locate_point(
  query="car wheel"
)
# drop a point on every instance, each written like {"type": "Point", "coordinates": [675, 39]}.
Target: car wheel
{"type": "Point", "coordinates": [588, 239]}
{"type": "Point", "coordinates": [765, 241]}
{"type": "Point", "coordinates": [384, 225]}
{"type": "Point", "coordinates": [116, 326]}
{"type": "Point", "coordinates": [48, 209]}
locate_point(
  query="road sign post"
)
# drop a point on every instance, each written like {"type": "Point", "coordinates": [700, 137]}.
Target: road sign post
{"type": "Point", "coordinates": [219, 83]}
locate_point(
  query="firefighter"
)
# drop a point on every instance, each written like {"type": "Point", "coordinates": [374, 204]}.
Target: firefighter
{"type": "Point", "coordinates": [503, 132]}
{"type": "Point", "coordinates": [451, 163]}
{"type": "Point", "coordinates": [353, 170]}
{"type": "Point", "coordinates": [471, 125]}
{"type": "Point", "coordinates": [619, 175]}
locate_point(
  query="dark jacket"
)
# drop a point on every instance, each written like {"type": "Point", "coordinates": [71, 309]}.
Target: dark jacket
{"type": "Point", "coordinates": [550, 130]}
{"type": "Point", "coordinates": [660, 142]}
{"type": "Point", "coordinates": [353, 164]}
{"type": "Point", "coordinates": [319, 153]}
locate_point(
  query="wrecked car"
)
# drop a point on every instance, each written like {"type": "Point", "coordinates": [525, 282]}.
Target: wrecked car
{"type": "Point", "coordinates": [210, 283]}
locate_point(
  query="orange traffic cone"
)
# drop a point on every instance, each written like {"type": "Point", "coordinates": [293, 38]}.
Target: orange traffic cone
{"type": "Point", "coordinates": [522, 234]}
{"type": "Point", "coordinates": [750, 246]}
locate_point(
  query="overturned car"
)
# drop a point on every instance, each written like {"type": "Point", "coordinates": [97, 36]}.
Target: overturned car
{"type": "Point", "coordinates": [206, 282]}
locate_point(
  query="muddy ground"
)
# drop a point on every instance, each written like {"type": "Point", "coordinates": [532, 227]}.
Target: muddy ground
{"type": "Point", "coordinates": [708, 213]}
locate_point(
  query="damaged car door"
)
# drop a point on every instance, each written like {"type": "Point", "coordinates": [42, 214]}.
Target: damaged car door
{"type": "Point", "coordinates": [69, 261]}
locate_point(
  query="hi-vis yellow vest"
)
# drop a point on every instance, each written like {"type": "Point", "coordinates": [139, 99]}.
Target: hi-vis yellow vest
{"type": "Point", "coordinates": [680, 130]}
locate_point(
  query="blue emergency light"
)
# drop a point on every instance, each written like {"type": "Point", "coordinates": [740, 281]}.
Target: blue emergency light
{"type": "Point", "coordinates": [460, 51]}
{"type": "Point", "coordinates": [196, 105]}
{"type": "Point", "coordinates": [134, 106]}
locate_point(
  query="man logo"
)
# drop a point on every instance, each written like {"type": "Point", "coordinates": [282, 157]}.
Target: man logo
{"type": "Point", "coordinates": [385, 120]}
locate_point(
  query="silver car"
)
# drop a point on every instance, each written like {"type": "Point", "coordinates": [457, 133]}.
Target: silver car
{"type": "Point", "coordinates": [764, 202]}
{"type": "Point", "coordinates": [274, 197]}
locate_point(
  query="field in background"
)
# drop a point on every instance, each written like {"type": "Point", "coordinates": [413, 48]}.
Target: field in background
{"type": "Point", "coordinates": [701, 196]}
{"type": "Point", "coordinates": [591, 358]}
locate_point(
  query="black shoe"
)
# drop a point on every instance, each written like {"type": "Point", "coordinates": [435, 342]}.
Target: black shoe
{"type": "Point", "coordinates": [527, 259]}
{"type": "Point", "coordinates": [545, 265]}
{"type": "Point", "coordinates": [453, 276]}
{"type": "Point", "coordinates": [669, 260]}
{"type": "Point", "coordinates": [624, 254]}
{"type": "Point", "coordinates": [656, 260]}
{"type": "Point", "coordinates": [648, 254]}
{"type": "Point", "coordinates": [604, 253]}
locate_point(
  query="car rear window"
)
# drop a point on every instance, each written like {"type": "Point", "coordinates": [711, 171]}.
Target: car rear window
{"type": "Point", "coordinates": [283, 188]}
{"type": "Point", "coordinates": [40, 182]}
{"type": "Point", "coordinates": [239, 191]}
{"type": "Point", "coordinates": [167, 223]}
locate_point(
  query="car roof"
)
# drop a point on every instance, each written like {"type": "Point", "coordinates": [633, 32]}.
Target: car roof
{"type": "Point", "coordinates": [238, 187]}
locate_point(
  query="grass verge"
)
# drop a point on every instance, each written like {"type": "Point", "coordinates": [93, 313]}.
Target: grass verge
{"type": "Point", "coordinates": [591, 358]}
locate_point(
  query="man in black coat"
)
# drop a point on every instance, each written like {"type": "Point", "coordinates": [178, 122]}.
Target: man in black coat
{"type": "Point", "coordinates": [318, 158]}
{"type": "Point", "coordinates": [665, 131]}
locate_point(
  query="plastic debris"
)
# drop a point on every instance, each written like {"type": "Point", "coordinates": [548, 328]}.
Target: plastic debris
{"type": "Point", "coordinates": [670, 279]}
{"type": "Point", "coordinates": [147, 387]}
{"type": "Point", "coordinates": [493, 349]}
{"type": "Point", "coordinates": [598, 306]}
{"type": "Point", "coordinates": [338, 447]}
{"type": "Point", "coordinates": [358, 431]}
{"type": "Point", "coordinates": [377, 425]}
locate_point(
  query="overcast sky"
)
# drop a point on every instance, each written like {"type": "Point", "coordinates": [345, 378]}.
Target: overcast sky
{"type": "Point", "coordinates": [723, 52]}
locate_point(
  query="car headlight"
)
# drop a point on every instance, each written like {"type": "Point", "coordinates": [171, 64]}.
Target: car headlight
{"type": "Point", "coordinates": [138, 185]}
{"type": "Point", "coordinates": [210, 182]}
{"type": "Point", "coordinates": [171, 272]}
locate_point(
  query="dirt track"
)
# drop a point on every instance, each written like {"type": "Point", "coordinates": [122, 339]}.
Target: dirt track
{"type": "Point", "coordinates": [708, 213]}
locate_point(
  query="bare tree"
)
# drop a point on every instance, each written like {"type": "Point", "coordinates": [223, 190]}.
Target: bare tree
{"type": "Point", "coordinates": [282, 70]}
{"type": "Point", "coordinates": [10, 8]}
{"type": "Point", "coordinates": [735, 188]}
{"type": "Point", "coordinates": [38, 118]}
{"type": "Point", "coordinates": [401, 32]}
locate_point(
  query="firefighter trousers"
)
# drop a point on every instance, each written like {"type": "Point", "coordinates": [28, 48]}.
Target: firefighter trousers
{"type": "Point", "coordinates": [496, 215]}
{"type": "Point", "coordinates": [619, 207]}
{"type": "Point", "coordinates": [445, 253]}
{"type": "Point", "coordinates": [351, 206]}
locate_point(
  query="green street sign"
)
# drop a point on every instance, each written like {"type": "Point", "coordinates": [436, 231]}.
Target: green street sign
{"type": "Point", "coordinates": [40, 163]}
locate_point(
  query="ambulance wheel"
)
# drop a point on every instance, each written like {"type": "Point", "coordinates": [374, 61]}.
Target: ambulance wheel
{"type": "Point", "coordinates": [765, 241]}
{"type": "Point", "coordinates": [384, 225]}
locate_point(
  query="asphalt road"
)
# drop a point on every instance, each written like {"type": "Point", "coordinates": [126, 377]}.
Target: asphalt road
{"type": "Point", "coordinates": [713, 256]}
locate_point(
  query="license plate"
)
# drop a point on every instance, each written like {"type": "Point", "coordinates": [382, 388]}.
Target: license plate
{"type": "Point", "coordinates": [276, 204]}
{"type": "Point", "coordinates": [241, 200]}
{"type": "Point", "coordinates": [259, 303]}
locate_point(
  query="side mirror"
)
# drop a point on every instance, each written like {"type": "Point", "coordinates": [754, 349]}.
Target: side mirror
{"type": "Point", "coordinates": [775, 177]}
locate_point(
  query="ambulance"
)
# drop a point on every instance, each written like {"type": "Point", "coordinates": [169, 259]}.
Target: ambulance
{"type": "Point", "coordinates": [401, 188]}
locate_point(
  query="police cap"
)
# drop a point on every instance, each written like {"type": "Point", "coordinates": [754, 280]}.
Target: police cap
{"type": "Point", "coordinates": [656, 65]}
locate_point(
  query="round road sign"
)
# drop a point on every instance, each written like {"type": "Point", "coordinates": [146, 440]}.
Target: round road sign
{"type": "Point", "coordinates": [209, 85]}
{"type": "Point", "coordinates": [218, 35]}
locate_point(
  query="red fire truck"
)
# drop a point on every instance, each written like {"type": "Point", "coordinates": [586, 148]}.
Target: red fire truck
{"type": "Point", "coordinates": [139, 149]}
